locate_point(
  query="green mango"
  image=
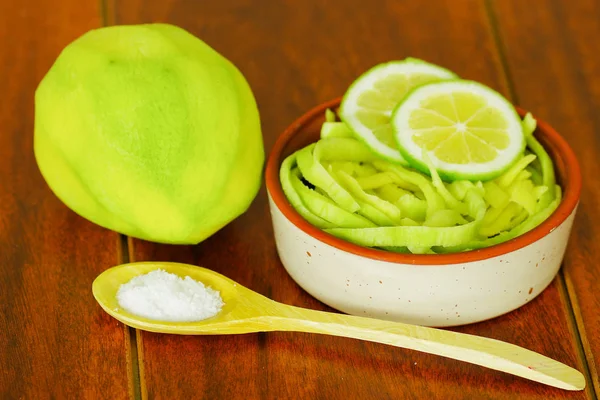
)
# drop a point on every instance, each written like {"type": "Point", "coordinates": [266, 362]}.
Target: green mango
{"type": "Point", "coordinates": [148, 131]}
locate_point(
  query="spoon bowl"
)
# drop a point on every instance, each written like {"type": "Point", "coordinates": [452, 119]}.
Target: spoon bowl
{"type": "Point", "coordinates": [241, 312]}
{"type": "Point", "coordinates": [246, 311]}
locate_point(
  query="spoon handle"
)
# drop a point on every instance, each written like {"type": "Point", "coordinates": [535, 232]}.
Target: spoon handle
{"type": "Point", "coordinates": [482, 351]}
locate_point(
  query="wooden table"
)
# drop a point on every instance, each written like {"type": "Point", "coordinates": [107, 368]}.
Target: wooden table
{"type": "Point", "coordinates": [56, 342]}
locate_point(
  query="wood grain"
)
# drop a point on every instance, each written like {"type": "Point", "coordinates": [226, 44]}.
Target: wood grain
{"type": "Point", "coordinates": [294, 58]}
{"type": "Point", "coordinates": [55, 341]}
{"type": "Point", "coordinates": [552, 55]}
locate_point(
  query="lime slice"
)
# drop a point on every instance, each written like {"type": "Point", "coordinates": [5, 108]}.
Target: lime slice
{"type": "Point", "coordinates": [465, 129]}
{"type": "Point", "coordinates": [368, 104]}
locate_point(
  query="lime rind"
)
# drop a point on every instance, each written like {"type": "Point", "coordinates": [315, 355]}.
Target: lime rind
{"type": "Point", "coordinates": [350, 108]}
{"type": "Point", "coordinates": [484, 171]}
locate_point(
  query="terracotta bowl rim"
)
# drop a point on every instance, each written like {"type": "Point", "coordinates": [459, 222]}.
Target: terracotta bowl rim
{"type": "Point", "coordinates": [571, 187]}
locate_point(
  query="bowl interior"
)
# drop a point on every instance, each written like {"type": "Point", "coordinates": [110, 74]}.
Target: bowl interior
{"type": "Point", "coordinates": [306, 130]}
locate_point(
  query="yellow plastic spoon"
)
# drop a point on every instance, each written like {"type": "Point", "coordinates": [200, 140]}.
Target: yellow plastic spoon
{"type": "Point", "coordinates": [246, 311]}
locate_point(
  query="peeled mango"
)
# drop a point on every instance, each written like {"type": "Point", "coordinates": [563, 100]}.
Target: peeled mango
{"type": "Point", "coordinates": [148, 131]}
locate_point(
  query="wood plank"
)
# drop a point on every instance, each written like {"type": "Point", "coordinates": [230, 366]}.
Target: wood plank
{"type": "Point", "coordinates": [56, 342]}
{"type": "Point", "coordinates": [552, 54]}
{"type": "Point", "coordinates": [294, 58]}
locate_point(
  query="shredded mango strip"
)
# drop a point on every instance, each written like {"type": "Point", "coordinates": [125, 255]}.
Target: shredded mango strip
{"type": "Point", "coordinates": [420, 250]}
{"type": "Point", "coordinates": [404, 178]}
{"type": "Point", "coordinates": [340, 186]}
{"type": "Point", "coordinates": [399, 249]}
{"type": "Point", "coordinates": [348, 166]}
{"type": "Point", "coordinates": [375, 181]}
{"type": "Point", "coordinates": [459, 189]}
{"type": "Point", "coordinates": [375, 215]}
{"type": "Point", "coordinates": [495, 195]}
{"type": "Point", "coordinates": [508, 177]}
{"type": "Point", "coordinates": [331, 129]}
{"type": "Point", "coordinates": [536, 176]}
{"type": "Point", "coordinates": [545, 162]}
{"type": "Point", "coordinates": [343, 149]}
{"type": "Point", "coordinates": [293, 197]}
{"type": "Point", "coordinates": [450, 200]}
{"type": "Point", "coordinates": [414, 236]}
{"type": "Point", "coordinates": [502, 222]}
{"type": "Point", "coordinates": [522, 193]}
{"type": "Point", "coordinates": [548, 178]}
{"type": "Point", "coordinates": [391, 192]}
{"type": "Point", "coordinates": [445, 217]}
{"type": "Point", "coordinates": [434, 201]}
{"type": "Point", "coordinates": [330, 116]}
{"type": "Point", "coordinates": [353, 187]}
{"type": "Point", "coordinates": [412, 207]}
{"type": "Point", "coordinates": [325, 208]}
{"type": "Point", "coordinates": [315, 173]}
{"type": "Point", "coordinates": [519, 230]}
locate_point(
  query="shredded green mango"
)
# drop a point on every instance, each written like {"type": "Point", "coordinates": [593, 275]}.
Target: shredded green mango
{"type": "Point", "coordinates": [548, 178]}
{"type": "Point", "coordinates": [353, 187]}
{"type": "Point", "coordinates": [420, 250]}
{"type": "Point", "coordinates": [398, 249]}
{"type": "Point", "coordinates": [374, 215]}
{"type": "Point", "coordinates": [331, 129]}
{"type": "Point", "coordinates": [343, 149]}
{"type": "Point", "coordinates": [417, 236]}
{"type": "Point", "coordinates": [285, 175]}
{"type": "Point", "coordinates": [391, 192]}
{"type": "Point", "coordinates": [503, 221]}
{"type": "Point", "coordinates": [375, 181]}
{"type": "Point", "coordinates": [496, 196]}
{"type": "Point", "coordinates": [450, 200]}
{"type": "Point", "coordinates": [365, 170]}
{"type": "Point", "coordinates": [536, 176]}
{"type": "Point", "coordinates": [412, 207]}
{"type": "Point", "coordinates": [325, 208]}
{"type": "Point", "coordinates": [348, 166]}
{"type": "Point", "coordinates": [508, 177]}
{"type": "Point", "coordinates": [330, 115]}
{"type": "Point", "coordinates": [459, 189]}
{"type": "Point", "coordinates": [340, 186]}
{"type": "Point", "coordinates": [434, 201]}
{"type": "Point", "coordinates": [313, 171]}
{"type": "Point", "coordinates": [445, 217]}
{"type": "Point", "coordinates": [522, 192]}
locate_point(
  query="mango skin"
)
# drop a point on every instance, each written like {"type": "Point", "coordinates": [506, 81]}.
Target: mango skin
{"type": "Point", "coordinates": [147, 131]}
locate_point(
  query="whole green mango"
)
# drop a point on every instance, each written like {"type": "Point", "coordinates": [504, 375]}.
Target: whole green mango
{"type": "Point", "coordinates": [148, 131]}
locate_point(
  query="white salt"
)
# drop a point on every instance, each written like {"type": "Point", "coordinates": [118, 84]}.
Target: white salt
{"type": "Point", "coordinates": [163, 296]}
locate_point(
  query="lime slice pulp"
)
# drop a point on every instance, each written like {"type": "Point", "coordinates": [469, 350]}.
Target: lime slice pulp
{"type": "Point", "coordinates": [463, 128]}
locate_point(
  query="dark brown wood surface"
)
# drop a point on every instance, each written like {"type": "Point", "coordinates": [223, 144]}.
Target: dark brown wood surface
{"type": "Point", "coordinates": [554, 61]}
{"type": "Point", "coordinates": [54, 342]}
{"type": "Point", "coordinates": [57, 343]}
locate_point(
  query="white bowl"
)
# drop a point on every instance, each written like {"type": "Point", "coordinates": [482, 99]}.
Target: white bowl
{"type": "Point", "coordinates": [432, 290]}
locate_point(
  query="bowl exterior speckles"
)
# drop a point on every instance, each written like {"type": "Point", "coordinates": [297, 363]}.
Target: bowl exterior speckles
{"type": "Point", "coordinates": [434, 290]}
{"type": "Point", "coordinates": [432, 295]}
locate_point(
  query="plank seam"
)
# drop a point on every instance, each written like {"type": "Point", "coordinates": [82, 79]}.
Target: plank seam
{"type": "Point", "coordinates": [133, 349]}
{"type": "Point", "coordinates": [583, 342]}
{"type": "Point", "coordinates": [141, 377]}
{"type": "Point", "coordinates": [563, 289]}
{"type": "Point", "coordinates": [574, 327]}
{"type": "Point", "coordinates": [107, 12]}
{"type": "Point", "coordinates": [500, 50]}
{"type": "Point", "coordinates": [133, 361]}
{"type": "Point", "coordinates": [568, 44]}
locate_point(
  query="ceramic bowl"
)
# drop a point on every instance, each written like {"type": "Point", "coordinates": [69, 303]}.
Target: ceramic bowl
{"type": "Point", "coordinates": [432, 290]}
